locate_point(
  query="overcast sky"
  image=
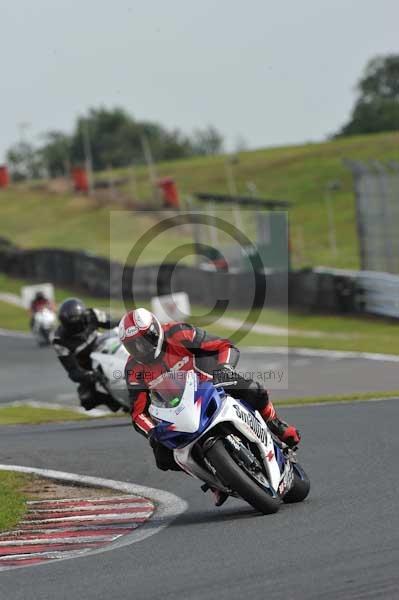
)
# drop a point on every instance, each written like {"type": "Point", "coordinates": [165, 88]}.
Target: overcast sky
{"type": "Point", "coordinates": [273, 73]}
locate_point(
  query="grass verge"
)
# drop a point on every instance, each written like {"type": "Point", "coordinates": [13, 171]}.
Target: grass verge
{"type": "Point", "coordinates": [13, 317]}
{"type": "Point", "coordinates": [12, 498]}
{"type": "Point", "coordinates": [352, 334]}
{"type": "Point", "coordinates": [332, 399]}
{"type": "Point", "coordinates": [29, 415]}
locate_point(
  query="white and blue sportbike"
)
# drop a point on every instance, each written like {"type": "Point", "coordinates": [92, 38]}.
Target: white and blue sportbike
{"type": "Point", "coordinates": [224, 442]}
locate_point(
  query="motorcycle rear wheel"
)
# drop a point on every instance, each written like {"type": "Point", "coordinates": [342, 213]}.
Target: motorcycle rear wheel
{"type": "Point", "coordinates": [239, 481]}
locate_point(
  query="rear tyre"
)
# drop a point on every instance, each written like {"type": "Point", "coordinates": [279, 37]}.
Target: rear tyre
{"type": "Point", "coordinates": [238, 480]}
{"type": "Point", "coordinates": [300, 488]}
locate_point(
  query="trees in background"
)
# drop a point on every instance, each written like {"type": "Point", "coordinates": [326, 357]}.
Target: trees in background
{"type": "Point", "coordinates": [24, 162]}
{"type": "Point", "coordinates": [377, 106]}
{"type": "Point", "coordinates": [116, 140]}
{"type": "Point", "coordinates": [207, 141]}
{"type": "Point", "coordinates": [55, 153]}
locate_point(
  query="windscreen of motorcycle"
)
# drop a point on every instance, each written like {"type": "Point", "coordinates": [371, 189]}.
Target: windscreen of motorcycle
{"type": "Point", "coordinates": [172, 387]}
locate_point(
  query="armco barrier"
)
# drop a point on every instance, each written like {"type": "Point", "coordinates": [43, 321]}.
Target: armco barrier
{"type": "Point", "coordinates": [97, 276]}
{"type": "Point", "coordinates": [371, 292]}
{"type": "Point", "coordinates": [329, 290]}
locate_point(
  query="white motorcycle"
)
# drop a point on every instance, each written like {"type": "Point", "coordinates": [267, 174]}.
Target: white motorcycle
{"type": "Point", "coordinates": [224, 442]}
{"type": "Point", "coordinates": [108, 360]}
{"type": "Point", "coordinates": [43, 326]}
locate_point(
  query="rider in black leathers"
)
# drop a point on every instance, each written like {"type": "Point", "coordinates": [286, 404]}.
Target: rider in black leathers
{"type": "Point", "coordinates": [74, 341]}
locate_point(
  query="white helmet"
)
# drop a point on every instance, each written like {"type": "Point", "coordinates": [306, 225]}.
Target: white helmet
{"type": "Point", "coordinates": [141, 333]}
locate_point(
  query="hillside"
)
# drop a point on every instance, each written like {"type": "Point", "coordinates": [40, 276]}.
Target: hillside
{"type": "Point", "coordinates": [34, 216]}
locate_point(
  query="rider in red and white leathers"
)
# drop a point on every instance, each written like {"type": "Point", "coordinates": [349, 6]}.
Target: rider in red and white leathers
{"type": "Point", "coordinates": [155, 349]}
{"type": "Point", "coordinates": [39, 302]}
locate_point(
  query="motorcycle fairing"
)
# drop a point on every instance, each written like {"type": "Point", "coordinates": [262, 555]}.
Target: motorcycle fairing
{"type": "Point", "coordinates": [209, 407]}
{"type": "Point", "coordinates": [179, 426]}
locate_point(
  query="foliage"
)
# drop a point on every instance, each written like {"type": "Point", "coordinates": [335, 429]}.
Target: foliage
{"type": "Point", "coordinates": [24, 161]}
{"type": "Point", "coordinates": [207, 141]}
{"type": "Point", "coordinates": [55, 153]}
{"type": "Point", "coordinates": [377, 106]}
{"type": "Point", "coordinates": [114, 139]}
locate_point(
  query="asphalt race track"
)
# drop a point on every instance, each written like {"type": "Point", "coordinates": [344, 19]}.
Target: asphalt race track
{"type": "Point", "coordinates": [28, 372]}
{"type": "Point", "coordinates": [343, 542]}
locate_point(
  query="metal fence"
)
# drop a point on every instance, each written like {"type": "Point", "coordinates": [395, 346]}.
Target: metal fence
{"type": "Point", "coordinates": [377, 213]}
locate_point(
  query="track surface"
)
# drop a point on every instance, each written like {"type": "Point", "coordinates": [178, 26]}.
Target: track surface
{"type": "Point", "coordinates": [30, 372]}
{"type": "Point", "coordinates": [342, 543]}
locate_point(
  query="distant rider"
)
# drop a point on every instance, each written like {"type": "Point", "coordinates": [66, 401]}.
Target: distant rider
{"type": "Point", "coordinates": [74, 340]}
{"type": "Point", "coordinates": [156, 349]}
{"type": "Point", "coordinates": [40, 302]}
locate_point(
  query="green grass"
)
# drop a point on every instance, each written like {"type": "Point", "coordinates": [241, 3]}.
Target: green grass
{"type": "Point", "coordinates": [372, 336]}
{"type": "Point", "coordinates": [13, 317]}
{"type": "Point", "coordinates": [351, 333]}
{"type": "Point", "coordinates": [353, 397]}
{"type": "Point", "coordinates": [28, 415]}
{"type": "Point", "coordinates": [12, 499]}
{"type": "Point", "coordinates": [338, 332]}
{"type": "Point", "coordinates": [36, 217]}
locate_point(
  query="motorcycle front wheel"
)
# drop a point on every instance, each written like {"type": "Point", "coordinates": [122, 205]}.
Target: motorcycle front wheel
{"type": "Point", "coordinates": [240, 481]}
{"type": "Point", "coordinates": [300, 487]}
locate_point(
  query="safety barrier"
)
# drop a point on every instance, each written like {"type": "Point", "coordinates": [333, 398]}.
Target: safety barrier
{"type": "Point", "coordinates": [373, 292]}
{"type": "Point", "coordinates": [99, 277]}
{"type": "Point", "coordinates": [319, 289]}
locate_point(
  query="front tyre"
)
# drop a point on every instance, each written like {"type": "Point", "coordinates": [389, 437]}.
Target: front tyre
{"type": "Point", "coordinates": [300, 487]}
{"type": "Point", "coordinates": [238, 480]}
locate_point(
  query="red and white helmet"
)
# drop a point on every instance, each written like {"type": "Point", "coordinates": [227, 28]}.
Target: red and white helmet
{"type": "Point", "coordinates": [141, 333]}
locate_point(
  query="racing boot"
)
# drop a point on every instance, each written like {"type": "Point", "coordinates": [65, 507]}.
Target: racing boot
{"type": "Point", "coordinates": [113, 405]}
{"type": "Point", "coordinates": [218, 496]}
{"type": "Point", "coordinates": [89, 397]}
{"type": "Point", "coordinates": [285, 433]}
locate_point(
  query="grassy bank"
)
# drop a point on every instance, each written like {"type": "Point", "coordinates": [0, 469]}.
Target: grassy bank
{"type": "Point", "coordinates": [36, 217]}
{"type": "Point", "coordinates": [12, 498]}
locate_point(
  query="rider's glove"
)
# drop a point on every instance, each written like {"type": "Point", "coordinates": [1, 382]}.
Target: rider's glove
{"type": "Point", "coordinates": [286, 433]}
{"type": "Point", "coordinates": [249, 390]}
{"type": "Point", "coordinates": [225, 374]}
{"type": "Point", "coordinates": [291, 436]}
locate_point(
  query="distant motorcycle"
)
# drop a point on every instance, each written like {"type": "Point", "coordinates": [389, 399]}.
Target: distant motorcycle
{"type": "Point", "coordinates": [224, 442]}
{"type": "Point", "coordinates": [43, 326]}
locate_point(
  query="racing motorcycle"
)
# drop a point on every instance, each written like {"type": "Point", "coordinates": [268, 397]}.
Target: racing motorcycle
{"type": "Point", "coordinates": [224, 442]}
{"type": "Point", "coordinates": [109, 358]}
{"type": "Point", "coordinates": [43, 326]}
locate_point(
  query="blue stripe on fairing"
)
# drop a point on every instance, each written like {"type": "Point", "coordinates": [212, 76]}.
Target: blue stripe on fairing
{"type": "Point", "coordinates": [176, 439]}
{"type": "Point", "coordinates": [279, 456]}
